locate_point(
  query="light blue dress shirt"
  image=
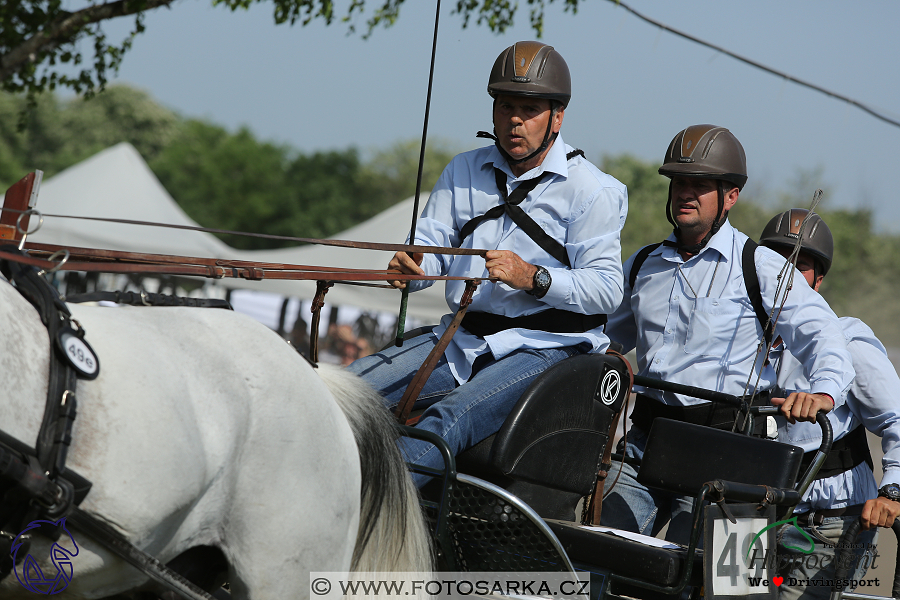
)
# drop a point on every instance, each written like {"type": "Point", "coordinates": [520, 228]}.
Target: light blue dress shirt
{"type": "Point", "coordinates": [871, 401]}
{"type": "Point", "coordinates": [691, 322]}
{"type": "Point", "coordinates": [576, 204]}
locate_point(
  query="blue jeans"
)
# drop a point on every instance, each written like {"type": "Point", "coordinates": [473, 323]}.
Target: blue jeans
{"type": "Point", "coordinates": [633, 507]}
{"type": "Point", "coordinates": [797, 567]}
{"type": "Point", "coordinates": [462, 415]}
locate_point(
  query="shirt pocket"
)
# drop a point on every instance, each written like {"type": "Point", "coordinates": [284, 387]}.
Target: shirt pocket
{"type": "Point", "coordinates": [712, 326]}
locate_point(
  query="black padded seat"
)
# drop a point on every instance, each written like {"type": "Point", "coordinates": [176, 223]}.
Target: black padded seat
{"type": "Point", "coordinates": [630, 558]}
{"type": "Point", "coordinates": [549, 448]}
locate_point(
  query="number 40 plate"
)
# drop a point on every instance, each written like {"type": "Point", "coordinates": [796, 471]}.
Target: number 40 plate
{"type": "Point", "coordinates": [737, 556]}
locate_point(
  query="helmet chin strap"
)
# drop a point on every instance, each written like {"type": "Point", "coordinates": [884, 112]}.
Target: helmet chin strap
{"type": "Point", "coordinates": [721, 216]}
{"type": "Point", "coordinates": [549, 138]}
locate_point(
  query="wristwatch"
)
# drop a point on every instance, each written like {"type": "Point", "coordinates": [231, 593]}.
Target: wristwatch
{"type": "Point", "coordinates": [541, 283]}
{"type": "Point", "coordinates": [890, 491]}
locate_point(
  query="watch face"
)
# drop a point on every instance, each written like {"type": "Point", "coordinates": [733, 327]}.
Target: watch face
{"type": "Point", "coordinates": [542, 279]}
{"type": "Point", "coordinates": [891, 491]}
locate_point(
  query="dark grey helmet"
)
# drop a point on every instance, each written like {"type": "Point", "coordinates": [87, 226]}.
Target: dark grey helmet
{"type": "Point", "coordinates": [706, 151]}
{"type": "Point", "coordinates": [531, 69]}
{"type": "Point", "coordinates": [784, 228]}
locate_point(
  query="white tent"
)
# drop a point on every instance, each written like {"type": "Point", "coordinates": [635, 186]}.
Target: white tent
{"type": "Point", "coordinates": [389, 226]}
{"type": "Point", "coordinates": [117, 183]}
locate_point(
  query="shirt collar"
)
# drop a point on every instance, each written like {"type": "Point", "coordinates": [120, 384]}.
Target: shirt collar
{"type": "Point", "coordinates": [722, 242]}
{"type": "Point", "coordinates": [554, 162]}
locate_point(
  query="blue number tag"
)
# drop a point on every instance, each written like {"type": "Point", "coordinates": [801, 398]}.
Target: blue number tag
{"type": "Point", "coordinates": [79, 354]}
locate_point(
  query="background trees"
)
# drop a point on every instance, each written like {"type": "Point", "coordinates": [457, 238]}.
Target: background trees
{"type": "Point", "coordinates": [231, 180]}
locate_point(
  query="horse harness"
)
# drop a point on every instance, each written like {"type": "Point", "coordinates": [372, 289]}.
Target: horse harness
{"type": "Point", "coordinates": [483, 323]}
{"type": "Point", "coordinates": [35, 484]}
{"type": "Point", "coordinates": [552, 320]}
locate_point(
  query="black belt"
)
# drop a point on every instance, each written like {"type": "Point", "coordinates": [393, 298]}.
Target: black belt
{"type": "Point", "coordinates": [552, 320]}
{"type": "Point", "coordinates": [845, 454]}
{"type": "Point", "coordinates": [709, 414]}
{"type": "Point", "coordinates": [814, 518]}
{"type": "Point", "coordinates": [146, 299]}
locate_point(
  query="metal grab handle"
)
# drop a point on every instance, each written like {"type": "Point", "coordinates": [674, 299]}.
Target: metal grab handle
{"type": "Point", "coordinates": [824, 447]}
{"type": "Point", "coordinates": [689, 390]}
{"type": "Point", "coordinates": [744, 492]}
{"type": "Point", "coordinates": [895, 590]}
{"type": "Point", "coordinates": [26, 232]}
{"type": "Point", "coordinates": [845, 548]}
{"type": "Point", "coordinates": [841, 557]}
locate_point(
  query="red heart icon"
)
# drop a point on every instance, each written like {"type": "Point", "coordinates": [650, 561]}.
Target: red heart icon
{"type": "Point", "coordinates": [777, 581]}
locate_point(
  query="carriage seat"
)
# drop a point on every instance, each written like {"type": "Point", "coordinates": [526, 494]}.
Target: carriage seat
{"type": "Point", "coordinates": [679, 458]}
{"type": "Point", "coordinates": [549, 448]}
{"type": "Point", "coordinates": [637, 556]}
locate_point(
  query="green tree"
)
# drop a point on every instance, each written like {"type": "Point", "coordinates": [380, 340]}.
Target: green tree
{"type": "Point", "coordinates": [393, 171]}
{"type": "Point", "coordinates": [60, 134]}
{"type": "Point", "coordinates": [233, 181]}
{"type": "Point", "coordinates": [40, 39]}
{"type": "Point", "coordinates": [225, 181]}
{"type": "Point", "coordinates": [647, 193]}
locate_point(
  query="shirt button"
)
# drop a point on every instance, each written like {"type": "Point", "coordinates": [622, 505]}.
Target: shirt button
{"type": "Point", "coordinates": [656, 361]}
{"type": "Point", "coordinates": [675, 298]}
{"type": "Point", "coordinates": [715, 303]}
{"type": "Point", "coordinates": [668, 331]}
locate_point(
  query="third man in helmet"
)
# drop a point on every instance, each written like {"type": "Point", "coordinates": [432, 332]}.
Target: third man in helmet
{"type": "Point", "coordinates": [550, 221]}
{"type": "Point", "coordinates": [844, 490]}
{"type": "Point", "coordinates": [689, 313]}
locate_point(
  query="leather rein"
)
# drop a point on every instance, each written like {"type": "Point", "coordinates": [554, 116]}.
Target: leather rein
{"type": "Point", "coordinates": [113, 261]}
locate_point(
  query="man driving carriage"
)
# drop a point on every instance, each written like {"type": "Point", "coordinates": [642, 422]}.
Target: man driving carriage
{"type": "Point", "coordinates": [553, 246]}
{"type": "Point", "coordinates": [689, 315]}
{"type": "Point", "coordinates": [845, 489]}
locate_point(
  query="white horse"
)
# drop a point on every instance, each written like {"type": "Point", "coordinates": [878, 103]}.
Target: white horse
{"type": "Point", "coordinates": [204, 429]}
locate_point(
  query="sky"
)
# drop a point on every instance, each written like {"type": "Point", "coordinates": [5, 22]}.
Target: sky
{"type": "Point", "coordinates": [634, 85]}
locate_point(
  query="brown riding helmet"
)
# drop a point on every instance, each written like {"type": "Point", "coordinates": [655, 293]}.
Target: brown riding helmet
{"type": "Point", "coordinates": [531, 69]}
{"type": "Point", "coordinates": [706, 151]}
{"type": "Point", "coordinates": [784, 229]}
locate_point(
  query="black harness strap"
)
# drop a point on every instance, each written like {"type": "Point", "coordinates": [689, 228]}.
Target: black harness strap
{"type": "Point", "coordinates": [510, 206]}
{"type": "Point", "coordinates": [55, 432]}
{"type": "Point", "coordinates": [553, 320]}
{"type": "Point", "coordinates": [148, 299]}
{"type": "Point", "coordinates": [116, 543]}
{"type": "Point", "coordinates": [639, 259]}
{"type": "Point", "coordinates": [34, 483]}
{"type": "Point", "coordinates": [751, 282]}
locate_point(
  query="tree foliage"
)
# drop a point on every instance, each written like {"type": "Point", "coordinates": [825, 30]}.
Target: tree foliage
{"type": "Point", "coordinates": [231, 180]}
{"type": "Point", "coordinates": [62, 134]}
{"type": "Point", "coordinates": [41, 40]}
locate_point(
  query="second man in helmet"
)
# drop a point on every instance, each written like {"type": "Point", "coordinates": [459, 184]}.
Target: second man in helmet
{"type": "Point", "coordinates": [692, 316]}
